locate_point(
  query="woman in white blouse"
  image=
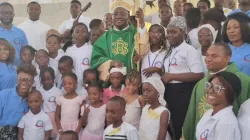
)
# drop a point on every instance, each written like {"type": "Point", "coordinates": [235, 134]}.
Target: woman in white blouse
{"type": "Point", "coordinates": [220, 123]}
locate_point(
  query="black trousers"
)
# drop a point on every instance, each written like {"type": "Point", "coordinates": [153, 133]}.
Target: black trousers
{"type": "Point", "coordinates": [177, 96]}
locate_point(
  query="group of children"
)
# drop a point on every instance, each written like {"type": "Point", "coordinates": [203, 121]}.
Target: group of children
{"type": "Point", "coordinates": [123, 113]}
{"type": "Point", "coordinates": [67, 95]}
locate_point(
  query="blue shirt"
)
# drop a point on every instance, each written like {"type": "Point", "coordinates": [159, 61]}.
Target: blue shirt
{"type": "Point", "coordinates": [241, 57]}
{"type": "Point", "coordinates": [12, 107]}
{"type": "Point", "coordinates": [238, 10]}
{"type": "Point", "coordinates": [17, 38]}
{"type": "Point", "coordinates": [8, 76]}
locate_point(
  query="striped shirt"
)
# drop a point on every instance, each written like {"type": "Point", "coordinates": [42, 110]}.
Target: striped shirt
{"type": "Point", "coordinates": [124, 132]}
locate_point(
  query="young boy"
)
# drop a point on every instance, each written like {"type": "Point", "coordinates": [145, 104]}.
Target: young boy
{"type": "Point", "coordinates": [42, 60]}
{"type": "Point", "coordinates": [97, 23]}
{"type": "Point", "coordinates": [65, 65]}
{"type": "Point", "coordinates": [118, 129]}
{"type": "Point", "coordinates": [108, 21]}
{"type": "Point", "coordinates": [89, 75]}
{"type": "Point", "coordinates": [35, 125]}
{"type": "Point", "coordinates": [95, 33]}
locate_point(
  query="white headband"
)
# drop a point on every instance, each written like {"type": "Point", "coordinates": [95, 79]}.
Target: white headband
{"type": "Point", "coordinates": [122, 70]}
{"type": "Point", "coordinates": [159, 86]}
{"type": "Point", "coordinates": [212, 30]}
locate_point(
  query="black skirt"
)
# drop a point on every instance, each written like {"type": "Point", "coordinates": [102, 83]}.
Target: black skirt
{"type": "Point", "coordinates": [177, 96]}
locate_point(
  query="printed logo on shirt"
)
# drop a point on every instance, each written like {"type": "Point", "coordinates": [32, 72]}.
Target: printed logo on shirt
{"type": "Point", "coordinates": [173, 62]}
{"type": "Point", "coordinates": [247, 58]}
{"type": "Point", "coordinates": [39, 123]}
{"type": "Point", "coordinates": [158, 64]}
{"type": "Point", "coordinates": [204, 135]}
{"type": "Point", "coordinates": [17, 41]}
{"type": "Point", "coordinates": [52, 99]}
{"type": "Point", "coordinates": [85, 61]}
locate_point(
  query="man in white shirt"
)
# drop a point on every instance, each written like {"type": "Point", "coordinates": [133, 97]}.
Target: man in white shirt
{"type": "Point", "coordinates": [155, 18]}
{"type": "Point", "coordinates": [75, 9]}
{"type": "Point", "coordinates": [35, 29]}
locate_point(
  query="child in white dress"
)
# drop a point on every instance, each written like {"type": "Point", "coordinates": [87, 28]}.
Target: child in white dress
{"type": "Point", "coordinates": [49, 93]}
{"type": "Point", "coordinates": [68, 106]}
{"type": "Point", "coordinates": [155, 116]}
{"type": "Point", "coordinates": [93, 114]}
{"type": "Point", "coordinates": [134, 102]}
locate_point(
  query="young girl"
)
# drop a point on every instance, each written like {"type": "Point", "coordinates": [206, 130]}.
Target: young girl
{"type": "Point", "coordinates": [49, 93]}
{"type": "Point", "coordinates": [116, 77]}
{"type": "Point", "coordinates": [27, 54]}
{"type": "Point", "coordinates": [93, 115]}
{"type": "Point", "coordinates": [81, 51]}
{"type": "Point", "coordinates": [152, 63]}
{"type": "Point", "coordinates": [42, 60]}
{"type": "Point", "coordinates": [53, 45]}
{"type": "Point", "coordinates": [68, 106]}
{"type": "Point", "coordinates": [134, 102]}
{"type": "Point", "coordinates": [155, 116]}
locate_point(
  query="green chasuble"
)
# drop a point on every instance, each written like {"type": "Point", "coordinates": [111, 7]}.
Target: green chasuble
{"type": "Point", "coordinates": [114, 45]}
{"type": "Point", "coordinates": [198, 104]}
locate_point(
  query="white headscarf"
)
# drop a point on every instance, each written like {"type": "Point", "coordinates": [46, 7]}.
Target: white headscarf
{"type": "Point", "coordinates": [212, 30]}
{"type": "Point", "coordinates": [122, 70]}
{"type": "Point", "coordinates": [159, 86]}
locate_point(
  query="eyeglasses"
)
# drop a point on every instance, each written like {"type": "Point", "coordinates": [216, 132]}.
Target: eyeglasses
{"type": "Point", "coordinates": [215, 88]}
{"type": "Point", "coordinates": [26, 80]}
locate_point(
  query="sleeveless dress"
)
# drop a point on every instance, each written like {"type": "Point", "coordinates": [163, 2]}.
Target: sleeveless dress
{"type": "Point", "coordinates": [133, 113]}
{"type": "Point", "coordinates": [96, 122]}
{"type": "Point", "coordinates": [150, 123]}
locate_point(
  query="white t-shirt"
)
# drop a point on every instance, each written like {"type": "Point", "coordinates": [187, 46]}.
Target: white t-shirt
{"type": "Point", "coordinates": [193, 35]}
{"type": "Point", "coordinates": [36, 32]}
{"type": "Point", "coordinates": [153, 59]}
{"type": "Point", "coordinates": [221, 126]}
{"type": "Point", "coordinates": [53, 62]}
{"type": "Point", "coordinates": [68, 24]}
{"type": "Point", "coordinates": [35, 125]}
{"type": "Point", "coordinates": [183, 59]}
{"type": "Point", "coordinates": [244, 120]}
{"type": "Point", "coordinates": [153, 18]}
{"type": "Point", "coordinates": [49, 98]}
{"type": "Point", "coordinates": [126, 132]}
{"type": "Point", "coordinates": [81, 57]}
